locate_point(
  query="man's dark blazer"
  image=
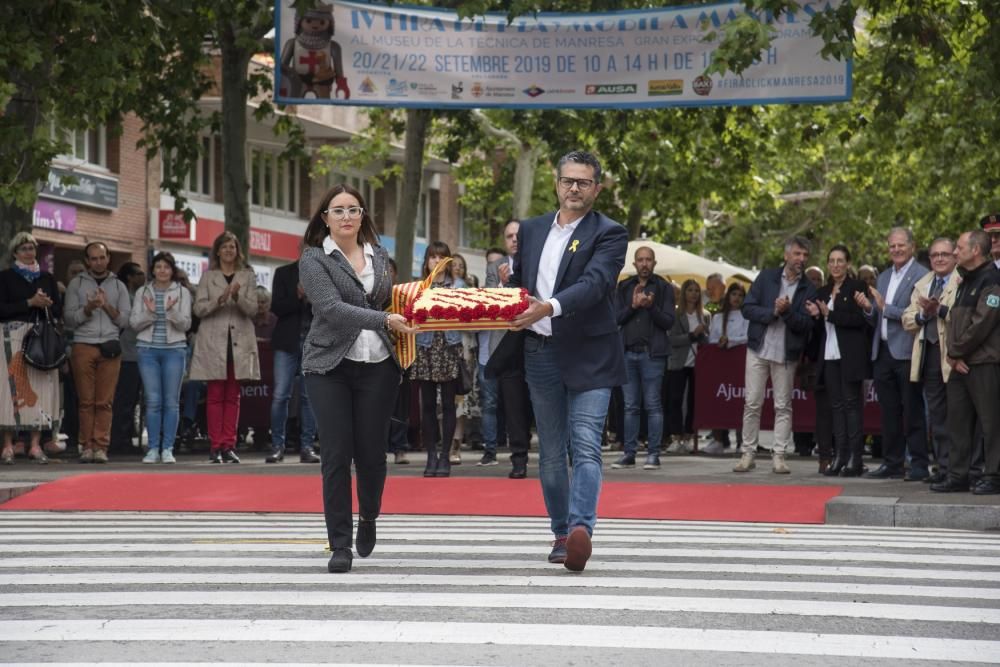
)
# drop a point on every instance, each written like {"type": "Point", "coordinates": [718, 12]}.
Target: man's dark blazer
{"type": "Point", "coordinates": [285, 303]}
{"type": "Point", "coordinates": [585, 338]}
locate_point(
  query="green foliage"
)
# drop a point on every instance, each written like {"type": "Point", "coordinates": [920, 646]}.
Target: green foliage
{"type": "Point", "coordinates": [370, 152]}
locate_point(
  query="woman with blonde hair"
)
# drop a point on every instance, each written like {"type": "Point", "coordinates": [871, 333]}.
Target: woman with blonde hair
{"type": "Point", "coordinates": [30, 400]}
{"type": "Point", "coordinates": [690, 329]}
{"type": "Point", "coordinates": [225, 347]}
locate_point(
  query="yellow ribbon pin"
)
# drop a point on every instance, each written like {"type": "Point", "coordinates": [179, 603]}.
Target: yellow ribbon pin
{"type": "Point", "coordinates": [573, 245]}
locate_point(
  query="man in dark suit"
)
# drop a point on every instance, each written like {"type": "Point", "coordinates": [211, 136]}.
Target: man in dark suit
{"type": "Point", "coordinates": [510, 381]}
{"type": "Point", "coordinates": [569, 262]}
{"type": "Point", "coordinates": [892, 348]}
{"type": "Point", "coordinates": [289, 303]}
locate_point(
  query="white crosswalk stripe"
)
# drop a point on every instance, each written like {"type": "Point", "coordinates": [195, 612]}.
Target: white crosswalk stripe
{"type": "Point", "coordinates": [130, 588]}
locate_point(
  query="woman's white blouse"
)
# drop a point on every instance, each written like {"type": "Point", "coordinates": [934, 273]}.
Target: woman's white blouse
{"type": "Point", "coordinates": [368, 348]}
{"type": "Point", "coordinates": [736, 329]}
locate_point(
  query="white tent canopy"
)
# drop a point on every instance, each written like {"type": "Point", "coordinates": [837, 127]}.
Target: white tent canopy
{"type": "Point", "coordinates": [679, 265]}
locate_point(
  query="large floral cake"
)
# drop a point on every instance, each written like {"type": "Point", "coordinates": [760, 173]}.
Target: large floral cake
{"type": "Point", "coordinates": [466, 308]}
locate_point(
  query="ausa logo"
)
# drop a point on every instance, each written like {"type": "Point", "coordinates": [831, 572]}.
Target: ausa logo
{"type": "Point", "coordinates": [533, 91]}
{"type": "Point", "coordinates": [611, 89]}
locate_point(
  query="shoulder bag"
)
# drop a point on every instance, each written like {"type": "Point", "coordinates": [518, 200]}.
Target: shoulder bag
{"type": "Point", "coordinates": [44, 345]}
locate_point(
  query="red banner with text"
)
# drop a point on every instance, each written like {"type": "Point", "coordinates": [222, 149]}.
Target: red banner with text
{"type": "Point", "coordinates": [718, 398]}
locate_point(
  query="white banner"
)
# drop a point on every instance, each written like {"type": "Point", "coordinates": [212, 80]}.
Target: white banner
{"type": "Point", "coordinates": [373, 55]}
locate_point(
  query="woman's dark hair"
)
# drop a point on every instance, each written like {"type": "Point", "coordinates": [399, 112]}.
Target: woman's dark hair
{"type": "Point", "coordinates": [164, 256]}
{"type": "Point", "coordinates": [727, 306]}
{"type": "Point", "coordinates": [317, 230]}
{"type": "Point", "coordinates": [213, 259]}
{"type": "Point", "coordinates": [127, 270]}
{"type": "Point", "coordinates": [435, 249]}
{"type": "Point", "coordinates": [847, 255]}
{"type": "Point", "coordinates": [683, 304]}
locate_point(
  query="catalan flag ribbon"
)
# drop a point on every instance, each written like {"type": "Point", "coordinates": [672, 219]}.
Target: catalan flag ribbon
{"type": "Point", "coordinates": [403, 295]}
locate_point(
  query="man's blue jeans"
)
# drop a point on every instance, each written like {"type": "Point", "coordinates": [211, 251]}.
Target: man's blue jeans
{"type": "Point", "coordinates": [288, 370]}
{"type": "Point", "coordinates": [488, 389]}
{"type": "Point", "coordinates": [569, 423]}
{"type": "Point", "coordinates": [162, 370]}
{"type": "Point", "coordinates": [645, 379]}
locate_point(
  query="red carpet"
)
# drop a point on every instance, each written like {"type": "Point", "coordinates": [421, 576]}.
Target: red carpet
{"type": "Point", "coordinates": [415, 495]}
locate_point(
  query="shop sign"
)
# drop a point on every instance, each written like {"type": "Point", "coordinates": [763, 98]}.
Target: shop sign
{"type": "Point", "coordinates": [81, 187]}
{"type": "Point", "coordinates": [174, 226]}
{"type": "Point", "coordinates": [57, 217]}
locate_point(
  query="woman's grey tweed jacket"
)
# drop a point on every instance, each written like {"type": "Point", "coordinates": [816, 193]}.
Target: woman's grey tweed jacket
{"type": "Point", "coordinates": [341, 309]}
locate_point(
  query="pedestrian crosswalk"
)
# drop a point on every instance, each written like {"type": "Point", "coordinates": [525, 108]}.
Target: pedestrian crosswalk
{"type": "Point", "coordinates": [87, 588]}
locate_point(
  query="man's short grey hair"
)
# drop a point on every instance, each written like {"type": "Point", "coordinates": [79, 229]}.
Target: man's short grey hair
{"type": "Point", "coordinates": [581, 157]}
{"type": "Point", "coordinates": [978, 237]}
{"type": "Point", "coordinates": [715, 276]}
{"type": "Point", "coordinates": [943, 239]}
{"type": "Point", "coordinates": [901, 230]}
{"type": "Point", "coordinates": [799, 241]}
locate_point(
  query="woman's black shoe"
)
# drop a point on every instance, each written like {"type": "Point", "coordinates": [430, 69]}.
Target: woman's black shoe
{"type": "Point", "coordinates": [365, 541]}
{"type": "Point", "coordinates": [432, 463]}
{"type": "Point", "coordinates": [340, 561]}
{"type": "Point", "coordinates": [852, 470]}
{"type": "Point", "coordinates": [215, 456]}
{"type": "Point", "coordinates": [835, 468]}
{"type": "Point", "coordinates": [229, 456]}
{"type": "Point", "coordinates": [443, 467]}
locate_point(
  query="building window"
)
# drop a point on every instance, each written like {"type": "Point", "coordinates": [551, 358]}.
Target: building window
{"type": "Point", "coordinates": [90, 146]}
{"type": "Point", "coordinates": [199, 180]}
{"type": "Point", "coordinates": [274, 181]}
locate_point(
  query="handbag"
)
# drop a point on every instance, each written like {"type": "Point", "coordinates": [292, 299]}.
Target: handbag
{"type": "Point", "coordinates": [44, 345]}
{"type": "Point", "coordinates": [111, 349]}
{"type": "Point", "coordinates": [464, 378]}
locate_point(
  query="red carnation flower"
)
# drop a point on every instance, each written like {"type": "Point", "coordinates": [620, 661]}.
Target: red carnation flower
{"type": "Point", "coordinates": [493, 312]}
{"type": "Point", "coordinates": [437, 312]}
{"type": "Point", "coordinates": [450, 313]}
{"type": "Point", "coordinates": [420, 316]}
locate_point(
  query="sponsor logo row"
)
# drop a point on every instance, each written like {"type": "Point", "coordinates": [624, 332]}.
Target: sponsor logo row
{"type": "Point", "coordinates": [701, 85]}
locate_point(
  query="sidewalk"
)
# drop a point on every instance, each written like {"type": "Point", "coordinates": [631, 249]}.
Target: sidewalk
{"type": "Point", "coordinates": [862, 502]}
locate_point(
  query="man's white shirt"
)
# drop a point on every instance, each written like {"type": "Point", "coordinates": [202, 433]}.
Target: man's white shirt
{"type": "Point", "coordinates": [548, 269]}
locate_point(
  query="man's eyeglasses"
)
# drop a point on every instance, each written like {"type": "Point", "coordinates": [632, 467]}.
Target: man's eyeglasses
{"type": "Point", "coordinates": [339, 213]}
{"type": "Point", "coordinates": [941, 255]}
{"type": "Point", "coordinates": [582, 184]}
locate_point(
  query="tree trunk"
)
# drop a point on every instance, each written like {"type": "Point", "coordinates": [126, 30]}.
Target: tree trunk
{"type": "Point", "coordinates": [235, 190]}
{"type": "Point", "coordinates": [17, 214]}
{"type": "Point", "coordinates": [417, 123]}
{"type": "Point", "coordinates": [634, 223]}
{"type": "Point", "coordinates": [524, 178]}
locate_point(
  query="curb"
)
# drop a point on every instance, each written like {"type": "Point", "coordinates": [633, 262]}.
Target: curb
{"type": "Point", "coordinates": [875, 511]}
{"type": "Point", "coordinates": [9, 490]}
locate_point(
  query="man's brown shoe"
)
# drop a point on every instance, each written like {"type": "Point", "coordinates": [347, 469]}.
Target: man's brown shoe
{"type": "Point", "coordinates": [578, 549]}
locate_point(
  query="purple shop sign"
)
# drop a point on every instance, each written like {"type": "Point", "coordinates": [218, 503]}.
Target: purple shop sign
{"type": "Point", "coordinates": [57, 217]}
